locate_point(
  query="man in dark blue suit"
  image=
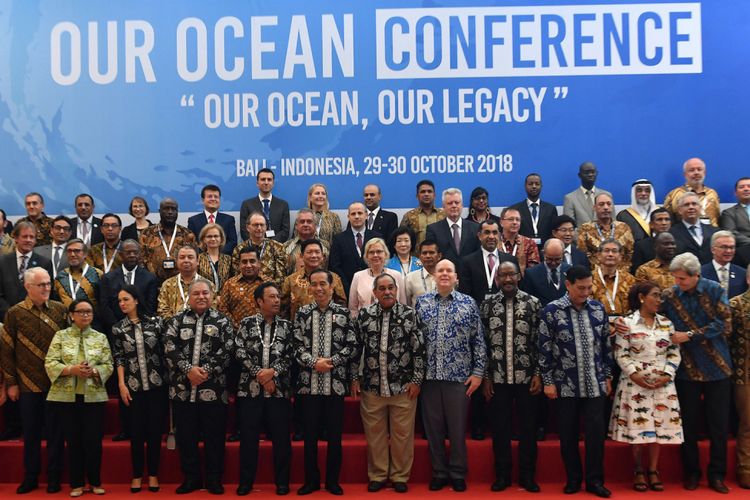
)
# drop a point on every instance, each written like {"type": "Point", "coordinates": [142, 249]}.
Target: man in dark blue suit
{"type": "Point", "coordinates": [690, 234]}
{"type": "Point", "coordinates": [272, 207]}
{"type": "Point", "coordinates": [730, 276]}
{"type": "Point", "coordinates": [546, 282]}
{"type": "Point", "coordinates": [456, 237]}
{"type": "Point", "coordinates": [211, 199]}
{"type": "Point", "coordinates": [564, 229]}
{"type": "Point", "coordinates": [537, 216]}
{"type": "Point", "coordinates": [347, 247]}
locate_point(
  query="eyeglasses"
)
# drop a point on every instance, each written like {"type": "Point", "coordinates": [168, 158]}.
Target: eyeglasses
{"type": "Point", "coordinates": [84, 313]}
{"type": "Point", "coordinates": [513, 219]}
{"type": "Point", "coordinates": [726, 247]}
{"type": "Point", "coordinates": [46, 284]}
{"type": "Point", "coordinates": [74, 250]}
{"type": "Point", "coordinates": [566, 229]}
{"type": "Point", "coordinates": [64, 229]}
{"type": "Point", "coordinates": [110, 226]}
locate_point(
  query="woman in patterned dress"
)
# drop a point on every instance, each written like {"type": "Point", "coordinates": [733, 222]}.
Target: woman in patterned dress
{"type": "Point", "coordinates": [139, 356]}
{"type": "Point", "coordinates": [646, 410]}
{"type": "Point", "coordinates": [213, 265]}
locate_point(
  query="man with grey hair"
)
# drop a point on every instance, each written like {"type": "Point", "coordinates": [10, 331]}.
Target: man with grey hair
{"type": "Point", "coordinates": [198, 345]}
{"type": "Point", "coordinates": [455, 236]}
{"type": "Point", "coordinates": [694, 171]}
{"type": "Point", "coordinates": [730, 276]}
{"type": "Point", "coordinates": [25, 337]}
{"type": "Point", "coordinates": [740, 343]}
{"type": "Point", "coordinates": [388, 380]}
{"type": "Point", "coordinates": [690, 233]}
{"type": "Point", "coordinates": [304, 229]}
{"type": "Point", "coordinates": [700, 312]}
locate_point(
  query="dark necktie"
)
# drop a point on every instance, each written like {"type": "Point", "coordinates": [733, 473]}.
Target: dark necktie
{"type": "Point", "coordinates": [22, 268]}
{"type": "Point", "coordinates": [534, 210]}
{"type": "Point", "coordinates": [555, 278]}
{"type": "Point", "coordinates": [370, 220]}
{"type": "Point", "coordinates": [56, 258]}
{"type": "Point", "coordinates": [129, 277]}
{"type": "Point", "coordinates": [84, 229]}
{"type": "Point", "coordinates": [694, 232]}
{"type": "Point", "coordinates": [267, 209]}
{"type": "Point", "coordinates": [456, 238]}
{"type": "Point", "coordinates": [359, 242]}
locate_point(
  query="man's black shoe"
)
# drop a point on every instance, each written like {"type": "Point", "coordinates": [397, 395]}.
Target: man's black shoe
{"type": "Point", "coordinates": [400, 487]}
{"type": "Point", "coordinates": [438, 483]}
{"type": "Point", "coordinates": [244, 489]}
{"type": "Point", "coordinates": [282, 490]}
{"type": "Point", "coordinates": [458, 485]}
{"type": "Point", "coordinates": [121, 436]}
{"type": "Point", "coordinates": [335, 489]}
{"type": "Point", "coordinates": [500, 485]}
{"type": "Point", "coordinates": [541, 434]}
{"type": "Point", "coordinates": [306, 489]}
{"type": "Point", "coordinates": [530, 486]}
{"type": "Point", "coordinates": [214, 487]}
{"type": "Point", "coordinates": [599, 490]}
{"type": "Point", "coordinates": [375, 486]}
{"type": "Point", "coordinates": [571, 488]}
{"type": "Point", "coordinates": [690, 483]}
{"type": "Point", "coordinates": [477, 435]}
{"type": "Point", "coordinates": [27, 486]}
{"type": "Point", "coordinates": [188, 487]}
{"type": "Point", "coordinates": [718, 486]}
{"type": "Point", "coordinates": [233, 437]}
{"type": "Point", "coordinates": [54, 487]}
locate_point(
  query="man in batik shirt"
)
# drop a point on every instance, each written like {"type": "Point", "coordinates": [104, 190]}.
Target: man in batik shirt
{"type": "Point", "coordinates": [160, 242]}
{"type": "Point", "coordinates": [611, 282]}
{"type": "Point", "coordinates": [325, 344]}
{"type": "Point", "coordinates": [575, 359]}
{"type": "Point", "coordinates": [199, 343]}
{"type": "Point", "coordinates": [106, 255]}
{"type": "Point", "coordinates": [657, 270]}
{"type": "Point", "coordinates": [591, 234]}
{"type": "Point", "coordinates": [304, 229]}
{"type": "Point", "coordinates": [455, 361]}
{"type": "Point", "coordinates": [392, 372]}
{"type": "Point", "coordinates": [79, 280]}
{"type": "Point", "coordinates": [270, 252]}
{"type": "Point", "coordinates": [236, 300]}
{"type": "Point", "coordinates": [512, 242]}
{"type": "Point", "coordinates": [264, 353]}
{"type": "Point", "coordinates": [511, 327]}
{"type": "Point", "coordinates": [740, 344]}
{"type": "Point", "coordinates": [417, 219]}
{"type": "Point", "coordinates": [694, 171]}
{"type": "Point", "coordinates": [173, 295]}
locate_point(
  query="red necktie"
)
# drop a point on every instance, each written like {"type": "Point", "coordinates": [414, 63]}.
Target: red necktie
{"type": "Point", "coordinates": [210, 218]}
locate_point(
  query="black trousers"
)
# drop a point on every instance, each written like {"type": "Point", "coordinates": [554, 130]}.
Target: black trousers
{"type": "Point", "coordinates": [501, 416]}
{"type": "Point", "coordinates": [12, 416]}
{"type": "Point", "coordinates": [716, 398]}
{"type": "Point", "coordinates": [315, 411]}
{"type": "Point", "coordinates": [83, 425]}
{"type": "Point", "coordinates": [569, 413]}
{"type": "Point", "coordinates": [275, 415]}
{"type": "Point", "coordinates": [146, 412]}
{"type": "Point", "coordinates": [478, 412]}
{"type": "Point", "coordinates": [192, 421]}
{"type": "Point", "coordinates": [40, 418]}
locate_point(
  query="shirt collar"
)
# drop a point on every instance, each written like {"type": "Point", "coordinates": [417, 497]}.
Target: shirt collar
{"type": "Point", "coordinates": [593, 190]}
{"type": "Point", "coordinates": [529, 202]}
{"type": "Point", "coordinates": [485, 254]}
{"type": "Point", "coordinates": [460, 222]}
{"type": "Point", "coordinates": [374, 212]}
{"type": "Point", "coordinates": [718, 266]}
{"type": "Point", "coordinates": [697, 225]}
{"type": "Point", "coordinates": [207, 214]}
{"type": "Point", "coordinates": [699, 288]}
{"type": "Point", "coordinates": [270, 198]}
{"type": "Point", "coordinates": [18, 254]}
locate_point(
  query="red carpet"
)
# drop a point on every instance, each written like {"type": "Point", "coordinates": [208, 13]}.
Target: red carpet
{"type": "Point", "coordinates": [116, 462]}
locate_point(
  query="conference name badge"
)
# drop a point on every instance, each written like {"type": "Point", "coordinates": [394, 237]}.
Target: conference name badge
{"type": "Point", "coordinates": [270, 233]}
{"type": "Point", "coordinates": [168, 264]}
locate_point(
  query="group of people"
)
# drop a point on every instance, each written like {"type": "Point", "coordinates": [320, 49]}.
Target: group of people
{"type": "Point", "coordinates": [526, 309]}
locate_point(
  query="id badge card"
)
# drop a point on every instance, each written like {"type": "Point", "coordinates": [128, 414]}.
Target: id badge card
{"type": "Point", "coordinates": [168, 264]}
{"type": "Point", "coordinates": [270, 233]}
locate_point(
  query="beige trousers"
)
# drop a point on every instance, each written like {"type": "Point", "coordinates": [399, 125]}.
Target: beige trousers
{"type": "Point", "coordinates": [382, 417]}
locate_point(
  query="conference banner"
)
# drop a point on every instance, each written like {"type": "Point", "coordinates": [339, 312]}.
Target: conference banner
{"type": "Point", "coordinates": [124, 98]}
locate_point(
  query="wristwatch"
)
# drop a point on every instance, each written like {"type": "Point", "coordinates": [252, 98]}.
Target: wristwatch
{"type": "Point", "coordinates": [690, 334]}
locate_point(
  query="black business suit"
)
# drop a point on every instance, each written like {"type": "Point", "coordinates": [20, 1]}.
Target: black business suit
{"type": "Point", "coordinates": [279, 217]}
{"type": "Point", "coordinates": [737, 283]}
{"type": "Point", "coordinates": [473, 279]}
{"type": "Point", "coordinates": [130, 232]}
{"type": "Point", "coordinates": [96, 230]}
{"type": "Point", "coordinates": [643, 251]}
{"type": "Point", "coordinates": [385, 223]}
{"type": "Point", "coordinates": [344, 258]}
{"type": "Point", "coordinates": [578, 257]}
{"type": "Point", "coordinates": [442, 233]}
{"type": "Point", "coordinates": [545, 220]}
{"type": "Point", "coordinates": [686, 243]}
{"type": "Point", "coordinates": [227, 223]}
{"type": "Point", "coordinates": [536, 282]}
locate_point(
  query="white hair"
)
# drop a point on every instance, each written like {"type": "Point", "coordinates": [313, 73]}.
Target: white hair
{"type": "Point", "coordinates": [687, 262]}
{"type": "Point", "coordinates": [451, 192]}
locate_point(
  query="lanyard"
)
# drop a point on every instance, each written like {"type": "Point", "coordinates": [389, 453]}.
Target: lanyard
{"type": "Point", "coordinates": [610, 296]}
{"type": "Point", "coordinates": [424, 282]}
{"type": "Point", "coordinates": [182, 290]}
{"type": "Point", "coordinates": [74, 288]}
{"type": "Point", "coordinates": [490, 275]}
{"type": "Point", "coordinates": [535, 220]}
{"type": "Point", "coordinates": [171, 242]}
{"type": "Point", "coordinates": [611, 231]}
{"type": "Point", "coordinates": [213, 269]}
{"type": "Point", "coordinates": [108, 265]}
{"type": "Point", "coordinates": [515, 249]}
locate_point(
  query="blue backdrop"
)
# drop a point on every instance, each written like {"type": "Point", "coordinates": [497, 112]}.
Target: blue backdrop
{"type": "Point", "coordinates": [131, 97]}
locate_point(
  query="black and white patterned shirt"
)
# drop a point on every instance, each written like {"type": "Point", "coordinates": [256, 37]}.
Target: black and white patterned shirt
{"type": "Point", "coordinates": [324, 334]}
{"type": "Point", "coordinates": [393, 345]}
{"type": "Point", "coordinates": [259, 345]}
{"type": "Point", "coordinates": [138, 348]}
{"type": "Point", "coordinates": [206, 341]}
